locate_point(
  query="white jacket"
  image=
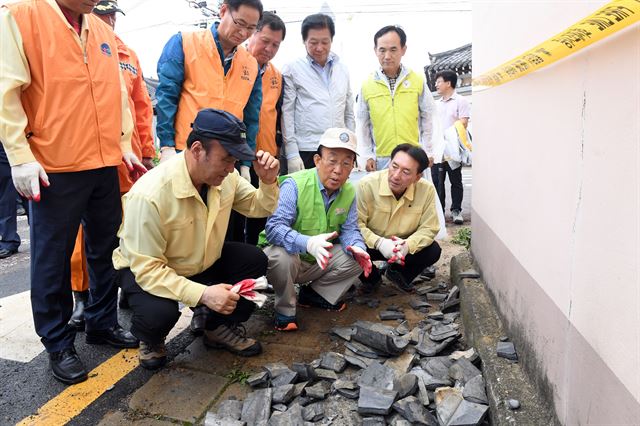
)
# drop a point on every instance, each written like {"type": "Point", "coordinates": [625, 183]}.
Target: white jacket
{"type": "Point", "coordinates": [309, 107]}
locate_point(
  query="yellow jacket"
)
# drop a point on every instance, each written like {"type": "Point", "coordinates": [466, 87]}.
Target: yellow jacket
{"type": "Point", "coordinates": [413, 217]}
{"type": "Point", "coordinates": [168, 234]}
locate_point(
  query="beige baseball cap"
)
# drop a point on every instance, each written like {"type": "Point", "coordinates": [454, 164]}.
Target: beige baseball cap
{"type": "Point", "coordinates": [337, 137]}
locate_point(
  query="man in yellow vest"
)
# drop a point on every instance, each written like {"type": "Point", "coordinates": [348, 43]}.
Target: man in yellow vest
{"type": "Point", "coordinates": [66, 124]}
{"type": "Point", "coordinates": [263, 46]}
{"type": "Point", "coordinates": [316, 208]}
{"type": "Point", "coordinates": [395, 106]}
{"type": "Point", "coordinates": [209, 69]}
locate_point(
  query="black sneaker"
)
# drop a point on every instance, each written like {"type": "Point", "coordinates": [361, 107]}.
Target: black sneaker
{"type": "Point", "coordinates": [308, 298]}
{"type": "Point", "coordinates": [429, 272]}
{"type": "Point", "coordinates": [396, 277]}
{"type": "Point", "coordinates": [367, 288]}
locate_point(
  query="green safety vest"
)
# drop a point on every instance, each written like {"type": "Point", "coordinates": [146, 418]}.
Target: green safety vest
{"type": "Point", "coordinates": [311, 217]}
{"type": "Point", "coordinates": [394, 119]}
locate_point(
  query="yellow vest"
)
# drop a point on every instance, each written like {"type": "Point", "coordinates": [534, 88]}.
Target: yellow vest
{"type": "Point", "coordinates": [394, 119]}
{"type": "Point", "coordinates": [271, 89]}
{"type": "Point", "coordinates": [206, 86]}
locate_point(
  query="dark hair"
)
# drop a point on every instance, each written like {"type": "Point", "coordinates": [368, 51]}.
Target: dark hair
{"type": "Point", "coordinates": [384, 30]}
{"type": "Point", "coordinates": [207, 143]}
{"type": "Point", "coordinates": [414, 152]}
{"type": "Point", "coordinates": [317, 21]}
{"type": "Point", "coordinates": [319, 151]}
{"type": "Point", "coordinates": [273, 22]}
{"type": "Point", "coordinates": [235, 5]}
{"type": "Point", "coordinates": [448, 75]}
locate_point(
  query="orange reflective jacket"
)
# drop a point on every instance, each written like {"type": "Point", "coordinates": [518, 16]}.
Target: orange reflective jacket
{"type": "Point", "coordinates": [271, 89]}
{"type": "Point", "coordinates": [73, 104]}
{"type": "Point", "coordinates": [141, 110]}
{"type": "Point", "coordinates": [206, 86]}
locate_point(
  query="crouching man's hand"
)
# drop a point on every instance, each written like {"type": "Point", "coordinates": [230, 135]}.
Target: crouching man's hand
{"type": "Point", "coordinates": [220, 298]}
{"type": "Point", "coordinates": [266, 167]}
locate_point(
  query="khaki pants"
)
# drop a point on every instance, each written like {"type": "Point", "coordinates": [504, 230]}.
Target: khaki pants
{"type": "Point", "coordinates": [286, 269]}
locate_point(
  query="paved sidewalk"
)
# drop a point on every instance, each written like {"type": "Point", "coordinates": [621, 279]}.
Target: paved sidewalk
{"type": "Point", "coordinates": [198, 378]}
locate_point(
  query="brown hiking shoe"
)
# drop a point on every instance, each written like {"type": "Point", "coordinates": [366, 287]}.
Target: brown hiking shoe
{"type": "Point", "coordinates": [152, 356]}
{"type": "Point", "coordinates": [232, 338]}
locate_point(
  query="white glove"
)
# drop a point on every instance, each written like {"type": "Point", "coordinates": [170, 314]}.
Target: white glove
{"type": "Point", "coordinates": [295, 164]}
{"type": "Point", "coordinates": [135, 167]}
{"type": "Point", "coordinates": [244, 172]}
{"type": "Point", "coordinates": [26, 179]}
{"type": "Point", "coordinates": [318, 247]}
{"type": "Point", "coordinates": [385, 246]}
{"type": "Point", "coordinates": [166, 152]}
{"type": "Point", "coordinates": [402, 248]}
{"type": "Point", "coordinates": [399, 251]}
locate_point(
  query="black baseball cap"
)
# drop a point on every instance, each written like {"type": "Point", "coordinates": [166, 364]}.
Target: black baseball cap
{"type": "Point", "coordinates": [107, 7]}
{"type": "Point", "coordinates": [226, 129]}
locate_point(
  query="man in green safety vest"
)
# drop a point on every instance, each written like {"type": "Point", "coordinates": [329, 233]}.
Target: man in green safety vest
{"type": "Point", "coordinates": [313, 237]}
{"type": "Point", "coordinates": [394, 106]}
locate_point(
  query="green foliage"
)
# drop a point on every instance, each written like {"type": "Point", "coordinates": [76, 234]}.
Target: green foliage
{"type": "Point", "coordinates": [463, 237]}
{"type": "Point", "coordinates": [237, 376]}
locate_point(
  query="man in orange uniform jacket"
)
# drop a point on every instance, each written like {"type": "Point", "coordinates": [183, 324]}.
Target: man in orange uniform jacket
{"type": "Point", "coordinates": [263, 45]}
{"type": "Point", "coordinates": [141, 142]}
{"type": "Point", "coordinates": [66, 124]}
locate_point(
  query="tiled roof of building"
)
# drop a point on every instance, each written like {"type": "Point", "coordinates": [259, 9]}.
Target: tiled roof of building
{"type": "Point", "coordinates": [454, 59]}
{"type": "Point", "coordinates": [458, 60]}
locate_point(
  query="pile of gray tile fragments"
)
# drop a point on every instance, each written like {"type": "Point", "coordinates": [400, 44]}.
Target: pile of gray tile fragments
{"type": "Point", "coordinates": [387, 375]}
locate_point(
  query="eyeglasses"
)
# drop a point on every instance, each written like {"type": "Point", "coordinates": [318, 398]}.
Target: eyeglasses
{"type": "Point", "coordinates": [243, 25]}
{"type": "Point", "coordinates": [334, 164]}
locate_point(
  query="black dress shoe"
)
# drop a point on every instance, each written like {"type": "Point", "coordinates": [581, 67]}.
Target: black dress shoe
{"type": "Point", "coordinates": [116, 336]}
{"type": "Point", "coordinates": [199, 320]}
{"type": "Point", "coordinates": [396, 277]}
{"type": "Point", "coordinates": [80, 299]}
{"type": "Point", "coordinates": [4, 253]}
{"type": "Point", "coordinates": [67, 367]}
{"type": "Point", "coordinates": [123, 302]}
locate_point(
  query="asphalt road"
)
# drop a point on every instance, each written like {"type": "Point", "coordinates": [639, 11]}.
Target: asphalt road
{"type": "Point", "coordinates": [27, 385]}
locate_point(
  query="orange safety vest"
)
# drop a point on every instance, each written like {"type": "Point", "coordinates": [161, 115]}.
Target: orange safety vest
{"type": "Point", "coordinates": [271, 89]}
{"type": "Point", "coordinates": [73, 103]}
{"type": "Point", "coordinates": [206, 86]}
{"type": "Point", "coordinates": [141, 110]}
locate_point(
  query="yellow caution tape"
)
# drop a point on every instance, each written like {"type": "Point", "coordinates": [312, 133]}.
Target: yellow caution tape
{"type": "Point", "coordinates": [613, 17]}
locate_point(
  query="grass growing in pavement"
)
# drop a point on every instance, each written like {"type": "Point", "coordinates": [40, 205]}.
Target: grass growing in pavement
{"type": "Point", "coordinates": [463, 237]}
{"type": "Point", "coordinates": [237, 376]}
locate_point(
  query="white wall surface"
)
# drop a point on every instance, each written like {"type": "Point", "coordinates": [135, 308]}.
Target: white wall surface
{"type": "Point", "coordinates": [558, 175]}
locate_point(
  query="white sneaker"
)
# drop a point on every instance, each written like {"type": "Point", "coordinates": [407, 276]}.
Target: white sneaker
{"type": "Point", "coordinates": [456, 215]}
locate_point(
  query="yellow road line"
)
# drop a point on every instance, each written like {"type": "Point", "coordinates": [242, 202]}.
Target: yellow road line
{"type": "Point", "coordinates": [609, 19]}
{"type": "Point", "coordinates": [71, 401]}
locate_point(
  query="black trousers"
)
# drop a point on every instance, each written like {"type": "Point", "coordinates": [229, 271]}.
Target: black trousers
{"type": "Point", "coordinates": [414, 264]}
{"type": "Point", "coordinates": [9, 238]}
{"type": "Point", "coordinates": [93, 197]}
{"type": "Point", "coordinates": [307, 159]}
{"type": "Point", "coordinates": [439, 173]}
{"type": "Point", "coordinates": [154, 317]}
{"type": "Point", "coordinates": [244, 229]}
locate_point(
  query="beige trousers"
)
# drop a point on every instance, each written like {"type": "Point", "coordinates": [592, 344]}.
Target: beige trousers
{"type": "Point", "coordinates": [286, 269]}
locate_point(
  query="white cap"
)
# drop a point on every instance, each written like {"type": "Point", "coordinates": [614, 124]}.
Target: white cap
{"type": "Point", "coordinates": [337, 137]}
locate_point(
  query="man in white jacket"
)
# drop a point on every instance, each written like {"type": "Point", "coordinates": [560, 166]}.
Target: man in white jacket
{"type": "Point", "coordinates": [317, 94]}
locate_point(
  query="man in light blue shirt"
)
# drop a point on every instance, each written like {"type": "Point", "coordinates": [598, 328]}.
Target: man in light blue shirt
{"type": "Point", "coordinates": [316, 206]}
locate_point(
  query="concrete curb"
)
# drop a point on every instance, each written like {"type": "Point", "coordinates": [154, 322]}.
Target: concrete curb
{"type": "Point", "coordinates": [504, 379]}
